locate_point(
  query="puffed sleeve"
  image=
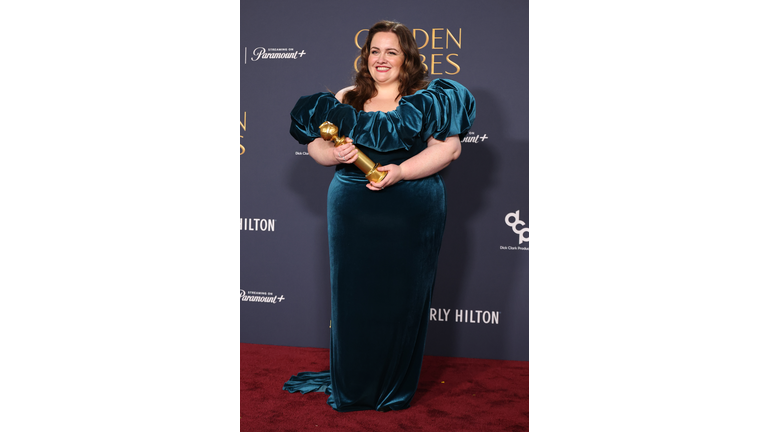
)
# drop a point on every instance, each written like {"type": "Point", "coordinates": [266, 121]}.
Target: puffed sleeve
{"type": "Point", "coordinates": [447, 109]}
{"type": "Point", "coordinates": [313, 110]}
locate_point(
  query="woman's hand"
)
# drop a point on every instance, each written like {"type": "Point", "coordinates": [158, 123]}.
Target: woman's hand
{"type": "Point", "coordinates": [394, 175]}
{"type": "Point", "coordinates": [345, 153]}
{"type": "Point", "coordinates": [324, 153]}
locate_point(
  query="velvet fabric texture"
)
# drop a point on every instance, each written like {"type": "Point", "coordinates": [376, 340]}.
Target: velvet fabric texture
{"type": "Point", "coordinates": [384, 246]}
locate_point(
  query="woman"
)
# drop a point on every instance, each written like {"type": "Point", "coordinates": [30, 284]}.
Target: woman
{"type": "Point", "coordinates": [384, 240]}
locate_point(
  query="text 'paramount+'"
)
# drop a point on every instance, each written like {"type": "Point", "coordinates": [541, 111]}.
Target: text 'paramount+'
{"type": "Point", "coordinates": [472, 137]}
{"type": "Point", "coordinates": [261, 53]}
{"type": "Point", "coordinates": [259, 297]}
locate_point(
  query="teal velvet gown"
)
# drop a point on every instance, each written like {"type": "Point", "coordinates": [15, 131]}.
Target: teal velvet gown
{"type": "Point", "coordinates": [384, 246]}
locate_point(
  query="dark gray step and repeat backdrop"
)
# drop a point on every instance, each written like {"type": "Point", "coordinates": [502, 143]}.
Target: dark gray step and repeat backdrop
{"type": "Point", "coordinates": [293, 48]}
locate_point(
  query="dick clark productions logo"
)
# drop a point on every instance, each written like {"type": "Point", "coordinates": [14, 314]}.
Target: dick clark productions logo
{"type": "Point", "coordinates": [522, 233]}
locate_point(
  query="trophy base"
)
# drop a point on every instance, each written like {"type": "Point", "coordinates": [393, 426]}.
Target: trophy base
{"type": "Point", "coordinates": [375, 175]}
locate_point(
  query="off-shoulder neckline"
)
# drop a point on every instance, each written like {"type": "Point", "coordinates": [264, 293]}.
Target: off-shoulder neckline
{"type": "Point", "coordinates": [402, 99]}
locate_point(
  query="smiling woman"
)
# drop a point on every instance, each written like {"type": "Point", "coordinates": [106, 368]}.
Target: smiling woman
{"type": "Point", "coordinates": [390, 68]}
{"type": "Point", "coordinates": [384, 236]}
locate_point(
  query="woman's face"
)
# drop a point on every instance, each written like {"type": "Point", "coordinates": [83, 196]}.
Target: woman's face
{"type": "Point", "coordinates": [385, 58]}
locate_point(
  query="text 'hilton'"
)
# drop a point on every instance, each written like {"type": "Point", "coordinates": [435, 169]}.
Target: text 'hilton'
{"type": "Point", "coordinates": [465, 316]}
{"type": "Point", "coordinates": [247, 224]}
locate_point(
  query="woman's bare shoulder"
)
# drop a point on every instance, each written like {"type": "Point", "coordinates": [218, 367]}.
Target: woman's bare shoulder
{"type": "Point", "coordinates": [340, 94]}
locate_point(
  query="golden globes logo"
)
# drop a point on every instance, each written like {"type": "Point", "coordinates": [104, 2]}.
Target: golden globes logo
{"type": "Point", "coordinates": [242, 126]}
{"type": "Point", "coordinates": [438, 38]}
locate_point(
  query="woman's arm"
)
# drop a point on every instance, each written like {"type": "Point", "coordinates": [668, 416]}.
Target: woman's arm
{"type": "Point", "coordinates": [437, 155]}
{"type": "Point", "coordinates": [324, 153]}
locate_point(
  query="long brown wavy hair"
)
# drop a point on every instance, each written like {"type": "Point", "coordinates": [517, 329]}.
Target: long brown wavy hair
{"type": "Point", "coordinates": [412, 74]}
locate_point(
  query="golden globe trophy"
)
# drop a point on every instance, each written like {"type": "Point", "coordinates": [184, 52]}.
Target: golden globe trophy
{"type": "Point", "coordinates": [329, 132]}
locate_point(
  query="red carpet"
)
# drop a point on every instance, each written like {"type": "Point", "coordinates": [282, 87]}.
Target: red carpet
{"type": "Point", "coordinates": [454, 394]}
